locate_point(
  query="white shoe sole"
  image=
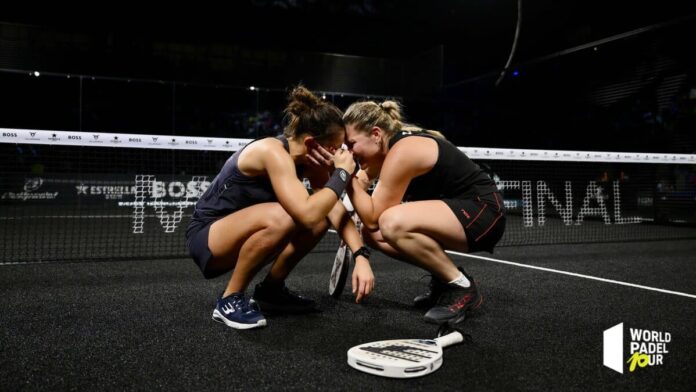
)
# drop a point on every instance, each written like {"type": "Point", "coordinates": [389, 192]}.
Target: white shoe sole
{"type": "Point", "coordinates": [217, 316]}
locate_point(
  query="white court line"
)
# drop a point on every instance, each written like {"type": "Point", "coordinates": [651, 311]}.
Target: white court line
{"type": "Point", "coordinates": [574, 274]}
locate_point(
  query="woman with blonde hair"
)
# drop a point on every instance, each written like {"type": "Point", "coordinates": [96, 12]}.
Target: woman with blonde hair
{"type": "Point", "coordinates": [430, 198]}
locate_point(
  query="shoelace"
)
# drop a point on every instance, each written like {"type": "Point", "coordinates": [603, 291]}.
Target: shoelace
{"type": "Point", "coordinates": [243, 303]}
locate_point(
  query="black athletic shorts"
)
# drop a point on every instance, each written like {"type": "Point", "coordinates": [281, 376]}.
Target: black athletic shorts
{"type": "Point", "coordinates": [483, 220]}
{"type": "Point", "coordinates": [197, 245]}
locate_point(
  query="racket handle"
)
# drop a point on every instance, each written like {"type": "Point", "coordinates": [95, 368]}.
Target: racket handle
{"type": "Point", "coordinates": [450, 339]}
{"type": "Point", "coordinates": [346, 203]}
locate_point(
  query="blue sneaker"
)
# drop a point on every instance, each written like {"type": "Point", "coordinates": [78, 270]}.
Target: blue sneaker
{"type": "Point", "coordinates": [238, 312]}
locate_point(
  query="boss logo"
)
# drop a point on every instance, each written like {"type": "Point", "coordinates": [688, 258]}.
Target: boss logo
{"type": "Point", "coordinates": [191, 142]}
{"type": "Point", "coordinates": [9, 134]}
{"type": "Point", "coordinates": [74, 137]}
{"type": "Point", "coordinates": [134, 139]}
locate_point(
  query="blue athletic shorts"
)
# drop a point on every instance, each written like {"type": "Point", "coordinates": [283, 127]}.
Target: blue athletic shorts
{"type": "Point", "coordinates": [197, 245]}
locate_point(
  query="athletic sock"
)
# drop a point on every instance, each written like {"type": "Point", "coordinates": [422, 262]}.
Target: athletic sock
{"type": "Point", "coordinates": [461, 281]}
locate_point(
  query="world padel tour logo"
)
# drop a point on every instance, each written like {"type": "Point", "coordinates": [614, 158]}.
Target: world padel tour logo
{"type": "Point", "coordinates": [647, 348]}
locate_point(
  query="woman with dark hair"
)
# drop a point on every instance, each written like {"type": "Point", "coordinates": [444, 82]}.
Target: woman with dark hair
{"type": "Point", "coordinates": [430, 198]}
{"type": "Point", "coordinates": [258, 210]}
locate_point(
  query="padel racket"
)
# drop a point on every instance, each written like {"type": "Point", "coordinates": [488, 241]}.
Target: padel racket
{"type": "Point", "coordinates": [341, 265]}
{"type": "Point", "coordinates": [339, 272]}
{"type": "Point", "coordinates": [403, 358]}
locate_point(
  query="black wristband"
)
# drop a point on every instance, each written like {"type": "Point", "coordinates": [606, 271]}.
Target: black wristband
{"type": "Point", "coordinates": [338, 181]}
{"type": "Point", "coordinates": [364, 251]}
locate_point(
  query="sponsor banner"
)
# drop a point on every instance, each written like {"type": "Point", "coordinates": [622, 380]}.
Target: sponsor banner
{"type": "Point", "coordinates": [141, 197]}
{"type": "Point", "coordinates": [101, 139]}
{"type": "Point", "coordinates": [28, 189]}
{"type": "Point", "coordinates": [121, 189]}
{"type": "Point", "coordinates": [575, 156]}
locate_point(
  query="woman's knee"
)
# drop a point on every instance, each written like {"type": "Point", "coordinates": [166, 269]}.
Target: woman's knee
{"type": "Point", "coordinates": [313, 234]}
{"type": "Point", "coordinates": [278, 221]}
{"type": "Point", "coordinates": [375, 240]}
{"type": "Point", "coordinates": [391, 224]}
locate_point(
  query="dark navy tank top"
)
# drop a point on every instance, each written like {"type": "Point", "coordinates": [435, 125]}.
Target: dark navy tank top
{"type": "Point", "coordinates": [232, 191]}
{"type": "Point", "coordinates": [454, 175]}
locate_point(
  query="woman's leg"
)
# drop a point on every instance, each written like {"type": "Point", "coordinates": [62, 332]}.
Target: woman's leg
{"type": "Point", "coordinates": [419, 232]}
{"type": "Point", "coordinates": [301, 243]}
{"type": "Point", "coordinates": [248, 239]}
{"type": "Point", "coordinates": [272, 295]}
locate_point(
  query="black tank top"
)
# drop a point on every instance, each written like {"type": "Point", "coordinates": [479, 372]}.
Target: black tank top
{"type": "Point", "coordinates": [232, 191]}
{"type": "Point", "coordinates": [454, 175]}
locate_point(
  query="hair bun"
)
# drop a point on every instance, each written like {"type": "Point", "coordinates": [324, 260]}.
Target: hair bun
{"type": "Point", "coordinates": [308, 114]}
{"type": "Point", "coordinates": [302, 100]}
{"type": "Point", "coordinates": [392, 108]}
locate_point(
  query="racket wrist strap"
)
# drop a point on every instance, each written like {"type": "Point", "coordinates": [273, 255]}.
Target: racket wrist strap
{"type": "Point", "coordinates": [364, 251]}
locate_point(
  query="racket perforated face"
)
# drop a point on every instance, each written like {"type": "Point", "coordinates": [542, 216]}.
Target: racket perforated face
{"type": "Point", "coordinates": [403, 358]}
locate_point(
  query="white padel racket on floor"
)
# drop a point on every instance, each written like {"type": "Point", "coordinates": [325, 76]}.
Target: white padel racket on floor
{"type": "Point", "coordinates": [403, 358]}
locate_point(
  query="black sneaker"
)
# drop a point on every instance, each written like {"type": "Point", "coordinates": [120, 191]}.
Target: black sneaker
{"type": "Point", "coordinates": [454, 302]}
{"type": "Point", "coordinates": [278, 299]}
{"type": "Point", "coordinates": [429, 298]}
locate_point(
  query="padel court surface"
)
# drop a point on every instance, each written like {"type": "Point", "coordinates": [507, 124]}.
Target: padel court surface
{"type": "Point", "coordinates": [146, 325]}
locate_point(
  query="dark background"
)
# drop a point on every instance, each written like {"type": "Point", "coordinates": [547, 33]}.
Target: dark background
{"type": "Point", "coordinates": [585, 74]}
{"type": "Point", "coordinates": [188, 71]}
